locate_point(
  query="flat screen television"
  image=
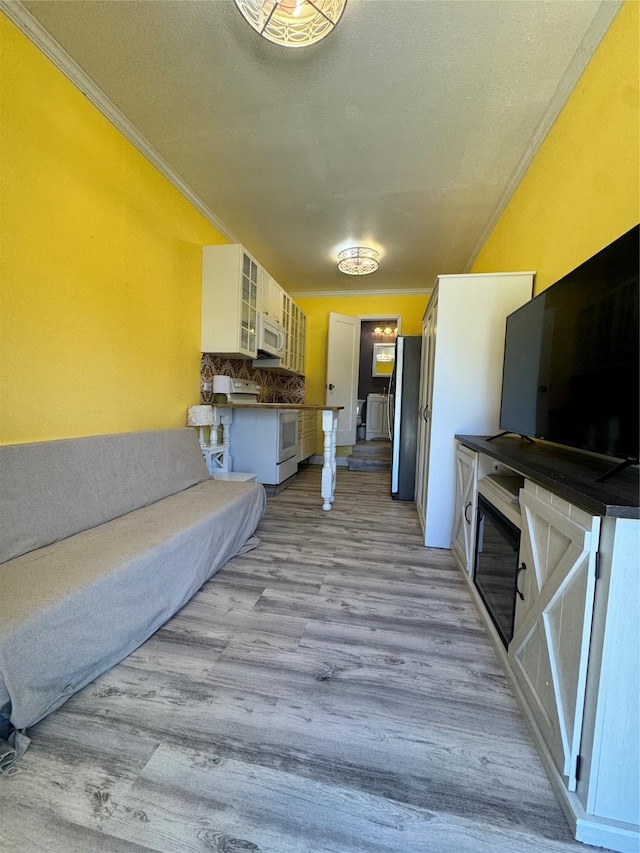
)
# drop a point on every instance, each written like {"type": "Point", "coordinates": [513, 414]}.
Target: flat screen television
{"type": "Point", "coordinates": [571, 357]}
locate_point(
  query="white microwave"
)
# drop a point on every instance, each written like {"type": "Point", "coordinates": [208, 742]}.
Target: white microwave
{"type": "Point", "coordinates": [270, 335]}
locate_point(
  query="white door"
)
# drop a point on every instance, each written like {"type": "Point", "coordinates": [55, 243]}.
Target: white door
{"type": "Point", "coordinates": [343, 358]}
{"type": "Point", "coordinates": [550, 645]}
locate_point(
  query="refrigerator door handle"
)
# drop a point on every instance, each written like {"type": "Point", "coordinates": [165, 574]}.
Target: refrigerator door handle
{"type": "Point", "coordinates": [390, 394]}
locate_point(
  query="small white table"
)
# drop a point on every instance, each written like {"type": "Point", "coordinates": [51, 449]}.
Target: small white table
{"type": "Point", "coordinates": [217, 458]}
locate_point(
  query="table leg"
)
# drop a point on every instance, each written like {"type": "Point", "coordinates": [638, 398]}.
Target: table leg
{"type": "Point", "coordinates": [329, 428]}
{"type": "Point", "coordinates": [226, 420]}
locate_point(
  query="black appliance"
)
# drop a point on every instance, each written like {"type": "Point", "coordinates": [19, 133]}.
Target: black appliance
{"type": "Point", "coordinates": [496, 566]}
{"type": "Point", "coordinates": [404, 391]}
{"type": "Point", "coordinates": [571, 357]}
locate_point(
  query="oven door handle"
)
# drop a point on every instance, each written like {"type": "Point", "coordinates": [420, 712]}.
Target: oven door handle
{"type": "Point", "coordinates": [521, 568]}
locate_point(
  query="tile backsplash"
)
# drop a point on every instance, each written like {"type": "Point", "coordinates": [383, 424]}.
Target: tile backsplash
{"type": "Point", "coordinates": [275, 387]}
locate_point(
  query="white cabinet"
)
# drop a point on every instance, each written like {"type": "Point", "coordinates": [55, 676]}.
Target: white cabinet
{"type": "Point", "coordinates": [377, 417]}
{"type": "Point", "coordinates": [301, 343]}
{"type": "Point", "coordinates": [307, 434]}
{"type": "Point", "coordinates": [427, 366]}
{"type": "Point", "coordinates": [270, 296]}
{"type": "Point", "coordinates": [295, 331]}
{"type": "Point", "coordinates": [234, 288]}
{"type": "Point", "coordinates": [550, 646]}
{"type": "Point", "coordinates": [463, 536]}
{"type": "Point", "coordinates": [462, 352]}
{"type": "Point", "coordinates": [574, 659]}
{"type": "Point", "coordinates": [609, 786]}
{"type": "Point", "coordinates": [229, 301]}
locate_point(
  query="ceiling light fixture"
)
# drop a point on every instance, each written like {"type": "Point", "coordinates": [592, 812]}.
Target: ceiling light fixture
{"type": "Point", "coordinates": [292, 23]}
{"type": "Point", "coordinates": [381, 334]}
{"type": "Point", "coordinates": [358, 260]}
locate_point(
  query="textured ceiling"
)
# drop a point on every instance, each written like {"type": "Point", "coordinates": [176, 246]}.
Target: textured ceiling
{"type": "Point", "coordinates": [403, 130]}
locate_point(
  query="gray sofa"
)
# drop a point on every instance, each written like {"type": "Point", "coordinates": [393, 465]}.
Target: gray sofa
{"type": "Point", "coordinates": [102, 539]}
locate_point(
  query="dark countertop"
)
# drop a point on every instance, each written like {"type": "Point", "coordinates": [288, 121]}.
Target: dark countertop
{"type": "Point", "coordinates": [568, 473]}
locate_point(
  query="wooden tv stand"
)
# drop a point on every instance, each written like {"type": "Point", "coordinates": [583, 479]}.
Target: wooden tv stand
{"type": "Point", "coordinates": [574, 660]}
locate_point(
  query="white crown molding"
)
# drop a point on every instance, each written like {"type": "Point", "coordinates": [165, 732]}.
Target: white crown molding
{"type": "Point", "coordinates": [34, 31]}
{"type": "Point", "coordinates": [600, 24]}
{"type": "Point", "coordinates": [330, 294]}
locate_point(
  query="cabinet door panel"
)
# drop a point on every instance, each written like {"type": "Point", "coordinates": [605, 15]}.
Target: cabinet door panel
{"type": "Point", "coordinates": [427, 365]}
{"type": "Point", "coordinates": [550, 646]}
{"type": "Point", "coordinates": [464, 523]}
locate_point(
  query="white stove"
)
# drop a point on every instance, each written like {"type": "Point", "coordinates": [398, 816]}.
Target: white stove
{"type": "Point", "coordinates": [236, 391]}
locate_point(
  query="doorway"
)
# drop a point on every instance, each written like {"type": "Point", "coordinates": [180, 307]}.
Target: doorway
{"type": "Point", "coordinates": [351, 379]}
{"type": "Point", "coordinates": [375, 368]}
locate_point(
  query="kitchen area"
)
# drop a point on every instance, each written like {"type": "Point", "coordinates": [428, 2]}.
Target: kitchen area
{"type": "Point", "coordinates": [252, 373]}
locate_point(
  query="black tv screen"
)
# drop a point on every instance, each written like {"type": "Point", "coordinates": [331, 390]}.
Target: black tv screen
{"type": "Point", "coordinates": [571, 357]}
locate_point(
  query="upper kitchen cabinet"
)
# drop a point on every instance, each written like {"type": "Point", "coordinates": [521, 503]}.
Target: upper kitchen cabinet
{"type": "Point", "coordinates": [229, 301]}
{"type": "Point", "coordinates": [295, 330]}
{"type": "Point", "coordinates": [270, 296]}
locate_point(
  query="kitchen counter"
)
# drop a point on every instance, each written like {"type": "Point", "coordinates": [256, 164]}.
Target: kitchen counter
{"type": "Point", "coordinates": [291, 407]}
{"type": "Point", "coordinates": [329, 428]}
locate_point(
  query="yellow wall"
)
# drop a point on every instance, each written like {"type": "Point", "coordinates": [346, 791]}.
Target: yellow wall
{"type": "Point", "coordinates": [100, 255]}
{"type": "Point", "coordinates": [100, 267]}
{"type": "Point", "coordinates": [581, 191]}
{"type": "Point", "coordinates": [317, 309]}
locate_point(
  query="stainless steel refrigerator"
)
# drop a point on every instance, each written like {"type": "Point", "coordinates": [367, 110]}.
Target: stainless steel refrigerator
{"type": "Point", "coordinates": [404, 390]}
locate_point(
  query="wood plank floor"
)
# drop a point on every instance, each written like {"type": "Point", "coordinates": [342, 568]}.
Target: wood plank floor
{"type": "Point", "coordinates": [331, 691]}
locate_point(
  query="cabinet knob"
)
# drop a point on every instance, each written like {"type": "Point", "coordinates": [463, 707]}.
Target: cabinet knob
{"type": "Point", "coordinates": [521, 568]}
{"type": "Point", "coordinates": [330, 386]}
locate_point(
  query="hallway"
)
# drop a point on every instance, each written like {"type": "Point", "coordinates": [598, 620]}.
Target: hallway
{"type": "Point", "coordinates": [370, 456]}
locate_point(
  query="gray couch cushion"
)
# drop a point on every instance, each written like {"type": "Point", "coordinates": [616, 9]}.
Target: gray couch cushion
{"type": "Point", "coordinates": [72, 610]}
{"type": "Point", "coordinates": [53, 489]}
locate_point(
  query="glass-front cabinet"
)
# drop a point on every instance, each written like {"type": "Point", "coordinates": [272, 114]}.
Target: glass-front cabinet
{"type": "Point", "coordinates": [287, 322]}
{"type": "Point", "coordinates": [229, 301]}
{"type": "Point", "coordinates": [249, 303]}
{"type": "Point", "coordinates": [302, 343]}
{"type": "Point", "coordinates": [234, 286]}
{"type": "Point", "coordinates": [295, 330]}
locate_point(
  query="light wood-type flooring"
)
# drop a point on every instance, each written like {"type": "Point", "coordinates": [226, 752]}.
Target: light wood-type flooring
{"type": "Point", "coordinates": [332, 691]}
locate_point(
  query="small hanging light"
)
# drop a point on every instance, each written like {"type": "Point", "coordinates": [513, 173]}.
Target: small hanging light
{"type": "Point", "coordinates": [358, 260]}
{"type": "Point", "coordinates": [292, 23]}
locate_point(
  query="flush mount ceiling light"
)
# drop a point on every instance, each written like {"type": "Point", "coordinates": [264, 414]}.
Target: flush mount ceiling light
{"type": "Point", "coordinates": [292, 23]}
{"type": "Point", "coordinates": [358, 260]}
